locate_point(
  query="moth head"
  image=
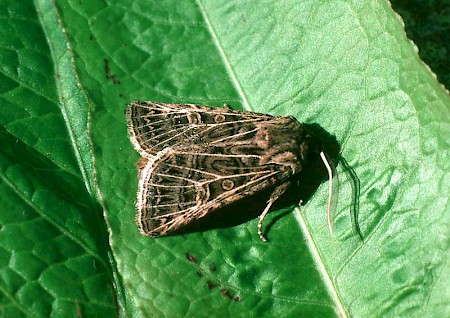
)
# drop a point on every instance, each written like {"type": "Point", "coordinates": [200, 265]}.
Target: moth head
{"type": "Point", "coordinates": [309, 145]}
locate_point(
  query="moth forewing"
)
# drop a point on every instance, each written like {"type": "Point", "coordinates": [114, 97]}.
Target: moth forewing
{"type": "Point", "coordinates": [199, 159]}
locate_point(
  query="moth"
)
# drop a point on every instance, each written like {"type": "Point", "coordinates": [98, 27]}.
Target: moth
{"type": "Point", "coordinates": [196, 159]}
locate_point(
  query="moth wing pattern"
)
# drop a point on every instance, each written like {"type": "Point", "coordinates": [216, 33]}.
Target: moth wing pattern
{"type": "Point", "coordinates": [184, 184]}
{"type": "Point", "coordinates": [196, 159]}
{"type": "Point", "coordinates": [154, 126]}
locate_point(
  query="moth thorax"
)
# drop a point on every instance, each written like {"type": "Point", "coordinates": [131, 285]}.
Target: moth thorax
{"type": "Point", "coordinates": [279, 132]}
{"type": "Point", "coordinates": [262, 137]}
{"type": "Point", "coordinates": [287, 158]}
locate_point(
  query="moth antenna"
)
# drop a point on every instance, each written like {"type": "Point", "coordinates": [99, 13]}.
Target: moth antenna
{"type": "Point", "coordinates": [330, 190]}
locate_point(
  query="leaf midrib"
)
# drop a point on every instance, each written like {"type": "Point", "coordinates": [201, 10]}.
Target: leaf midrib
{"type": "Point", "coordinates": [300, 219]}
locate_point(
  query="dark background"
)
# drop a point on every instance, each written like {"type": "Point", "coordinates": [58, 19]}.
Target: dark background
{"type": "Point", "coordinates": [427, 23]}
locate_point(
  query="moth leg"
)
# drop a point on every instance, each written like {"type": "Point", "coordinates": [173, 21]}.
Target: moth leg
{"type": "Point", "coordinates": [275, 195]}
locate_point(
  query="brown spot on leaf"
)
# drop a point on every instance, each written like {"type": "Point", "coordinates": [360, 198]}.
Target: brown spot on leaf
{"type": "Point", "coordinates": [191, 258]}
{"type": "Point", "coordinates": [211, 285]}
{"type": "Point", "coordinates": [227, 293]}
{"type": "Point", "coordinates": [108, 73]}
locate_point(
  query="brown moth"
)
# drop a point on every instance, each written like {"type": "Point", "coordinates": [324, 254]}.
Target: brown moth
{"type": "Point", "coordinates": [196, 159]}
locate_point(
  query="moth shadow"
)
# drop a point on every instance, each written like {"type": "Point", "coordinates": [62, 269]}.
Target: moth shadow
{"type": "Point", "coordinates": [303, 186]}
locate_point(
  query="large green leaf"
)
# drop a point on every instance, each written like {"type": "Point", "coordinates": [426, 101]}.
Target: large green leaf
{"type": "Point", "coordinates": [69, 243]}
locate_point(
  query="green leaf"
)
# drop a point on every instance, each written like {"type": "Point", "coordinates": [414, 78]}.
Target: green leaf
{"type": "Point", "coordinates": [69, 243]}
{"type": "Point", "coordinates": [53, 239]}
